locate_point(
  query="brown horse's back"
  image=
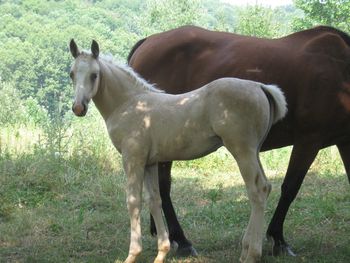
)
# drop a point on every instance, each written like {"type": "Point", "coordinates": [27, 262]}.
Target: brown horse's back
{"type": "Point", "coordinates": [310, 66]}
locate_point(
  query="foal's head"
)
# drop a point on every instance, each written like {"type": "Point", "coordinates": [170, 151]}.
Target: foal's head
{"type": "Point", "coordinates": [85, 74]}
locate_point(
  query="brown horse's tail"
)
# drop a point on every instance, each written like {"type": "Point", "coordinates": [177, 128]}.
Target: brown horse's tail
{"type": "Point", "coordinates": [277, 100]}
{"type": "Point", "coordinates": [133, 49]}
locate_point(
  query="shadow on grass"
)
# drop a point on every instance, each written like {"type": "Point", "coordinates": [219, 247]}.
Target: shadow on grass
{"type": "Point", "coordinates": [84, 218]}
{"type": "Point", "coordinates": [316, 225]}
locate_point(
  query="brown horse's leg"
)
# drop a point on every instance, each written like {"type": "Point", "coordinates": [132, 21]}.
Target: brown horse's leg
{"type": "Point", "coordinates": [176, 233]}
{"type": "Point", "coordinates": [302, 156]}
{"type": "Point", "coordinates": [344, 150]}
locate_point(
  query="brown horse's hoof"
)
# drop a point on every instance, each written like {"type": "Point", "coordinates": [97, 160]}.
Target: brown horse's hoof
{"type": "Point", "coordinates": [183, 251]}
{"type": "Point", "coordinates": [280, 248]}
{"type": "Point", "coordinates": [186, 252]}
{"type": "Point", "coordinates": [284, 249]}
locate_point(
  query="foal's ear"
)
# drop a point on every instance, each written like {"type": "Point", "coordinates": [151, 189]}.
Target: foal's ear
{"type": "Point", "coordinates": [74, 49]}
{"type": "Point", "coordinates": [95, 50]}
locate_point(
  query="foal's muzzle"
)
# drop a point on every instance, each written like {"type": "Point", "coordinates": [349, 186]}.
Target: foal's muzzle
{"type": "Point", "coordinates": [79, 109]}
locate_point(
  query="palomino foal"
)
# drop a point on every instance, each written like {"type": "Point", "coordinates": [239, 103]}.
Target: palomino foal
{"type": "Point", "coordinates": [148, 126]}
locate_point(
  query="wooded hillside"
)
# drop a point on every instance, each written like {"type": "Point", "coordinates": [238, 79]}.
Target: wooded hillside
{"type": "Point", "coordinates": [34, 37]}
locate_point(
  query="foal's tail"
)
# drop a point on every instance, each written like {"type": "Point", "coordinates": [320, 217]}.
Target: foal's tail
{"type": "Point", "coordinates": [277, 101]}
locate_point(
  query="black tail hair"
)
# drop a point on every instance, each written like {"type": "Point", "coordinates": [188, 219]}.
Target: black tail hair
{"type": "Point", "coordinates": [132, 51]}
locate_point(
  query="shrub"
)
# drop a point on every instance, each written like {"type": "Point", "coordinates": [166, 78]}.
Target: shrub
{"type": "Point", "coordinates": [11, 110]}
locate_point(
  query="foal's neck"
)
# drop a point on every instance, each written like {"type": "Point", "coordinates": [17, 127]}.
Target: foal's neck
{"type": "Point", "coordinates": [117, 86]}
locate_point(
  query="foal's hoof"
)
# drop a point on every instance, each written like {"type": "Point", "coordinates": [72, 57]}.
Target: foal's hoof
{"type": "Point", "coordinates": [281, 248]}
{"type": "Point", "coordinates": [186, 251]}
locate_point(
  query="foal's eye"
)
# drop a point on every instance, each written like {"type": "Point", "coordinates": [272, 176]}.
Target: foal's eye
{"type": "Point", "coordinates": [93, 76]}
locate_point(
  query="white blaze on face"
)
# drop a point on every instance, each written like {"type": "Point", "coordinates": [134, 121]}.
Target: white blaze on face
{"type": "Point", "coordinates": [85, 75]}
{"type": "Point", "coordinates": [85, 86]}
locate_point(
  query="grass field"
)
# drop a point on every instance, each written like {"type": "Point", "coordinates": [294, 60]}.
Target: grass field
{"type": "Point", "coordinates": [63, 200]}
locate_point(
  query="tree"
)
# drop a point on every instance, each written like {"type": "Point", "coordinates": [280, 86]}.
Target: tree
{"type": "Point", "coordinates": [161, 15]}
{"type": "Point", "coordinates": [326, 12]}
{"type": "Point", "coordinates": [256, 21]}
{"type": "Point", "coordinates": [34, 44]}
{"type": "Point", "coordinates": [11, 110]}
{"type": "Point", "coordinates": [34, 35]}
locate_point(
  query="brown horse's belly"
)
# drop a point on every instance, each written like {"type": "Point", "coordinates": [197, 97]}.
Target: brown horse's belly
{"type": "Point", "coordinates": [280, 135]}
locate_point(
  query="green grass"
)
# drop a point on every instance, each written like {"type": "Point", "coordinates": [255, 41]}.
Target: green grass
{"type": "Point", "coordinates": [70, 206]}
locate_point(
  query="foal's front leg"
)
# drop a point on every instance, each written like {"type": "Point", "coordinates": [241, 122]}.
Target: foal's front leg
{"type": "Point", "coordinates": [134, 170]}
{"type": "Point", "coordinates": [155, 205]}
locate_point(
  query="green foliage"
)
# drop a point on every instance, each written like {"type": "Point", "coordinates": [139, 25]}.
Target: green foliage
{"type": "Point", "coordinates": [35, 34]}
{"type": "Point", "coordinates": [223, 17]}
{"type": "Point", "coordinates": [17, 111]}
{"type": "Point", "coordinates": [36, 114]}
{"type": "Point", "coordinates": [327, 12]}
{"type": "Point", "coordinates": [215, 194]}
{"type": "Point", "coordinates": [256, 21]}
{"type": "Point", "coordinates": [11, 110]}
{"type": "Point", "coordinates": [163, 15]}
{"type": "Point", "coordinates": [34, 44]}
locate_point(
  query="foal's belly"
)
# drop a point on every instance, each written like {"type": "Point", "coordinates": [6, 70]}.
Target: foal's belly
{"type": "Point", "coordinates": [186, 150]}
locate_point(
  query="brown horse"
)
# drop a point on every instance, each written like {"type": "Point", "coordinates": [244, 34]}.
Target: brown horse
{"type": "Point", "coordinates": [312, 67]}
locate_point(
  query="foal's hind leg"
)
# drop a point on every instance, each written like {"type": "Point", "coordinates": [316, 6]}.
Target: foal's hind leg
{"type": "Point", "coordinates": [155, 204]}
{"type": "Point", "coordinates": [258, 189]}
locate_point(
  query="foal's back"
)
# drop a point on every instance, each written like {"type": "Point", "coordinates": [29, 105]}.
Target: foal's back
{"type": "Point", "coordinates": [193, 124]}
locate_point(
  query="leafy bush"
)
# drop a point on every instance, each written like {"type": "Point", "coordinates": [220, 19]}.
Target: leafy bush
{"type": "Point", "coordinates": [11, 111]}
{"type": "Point", "coordinates": [36, 113]}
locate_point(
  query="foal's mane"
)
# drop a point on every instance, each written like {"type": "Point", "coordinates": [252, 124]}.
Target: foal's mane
{"type": "Point", "coordinates": [130, 72]}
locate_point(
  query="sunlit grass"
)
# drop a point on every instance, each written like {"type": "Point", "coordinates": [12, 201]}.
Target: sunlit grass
{"type": "Point", "coordinates": [70, 206]}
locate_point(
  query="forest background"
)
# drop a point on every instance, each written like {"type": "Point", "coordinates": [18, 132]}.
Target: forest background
{"type": "Point", "coordinates": [34, 38]}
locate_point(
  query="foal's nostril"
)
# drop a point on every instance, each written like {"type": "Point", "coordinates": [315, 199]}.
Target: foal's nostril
{"type": "Point", "coordinates": [79, 109]}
